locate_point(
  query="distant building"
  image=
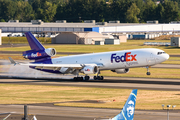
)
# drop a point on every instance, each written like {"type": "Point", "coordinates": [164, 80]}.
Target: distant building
{"type": "Point", "coordinates": [112, 41]}
{"type": "Point", "coordinates": [175, 41]}
{"type": "Point", "coordinates": [78, 38]}
{"type": "Point", "coordinates": [122, 37]}
{"type": "Point", "coordinates": [0, 38]}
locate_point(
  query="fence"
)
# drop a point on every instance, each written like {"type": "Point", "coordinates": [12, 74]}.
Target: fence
{"type": "Point", "coordinates": [158, 43]}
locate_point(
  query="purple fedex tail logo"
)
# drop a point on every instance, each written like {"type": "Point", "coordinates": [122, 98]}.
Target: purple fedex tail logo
{"type": "Point", "coordinates": [124, 58]}
{"type": "Point", "coordinates": [36, 55]}
{"type": "Point", "coordinates": [37, 52]}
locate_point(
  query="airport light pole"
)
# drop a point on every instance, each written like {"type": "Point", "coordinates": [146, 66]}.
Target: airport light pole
{"type": "Point", "coordinates": [168, 108]}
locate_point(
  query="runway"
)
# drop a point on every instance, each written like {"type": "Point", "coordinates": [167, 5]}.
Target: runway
{"type": "Point", "coordinates": [109, 82]}
{"type": "Point", "coordinates": [47, 112]}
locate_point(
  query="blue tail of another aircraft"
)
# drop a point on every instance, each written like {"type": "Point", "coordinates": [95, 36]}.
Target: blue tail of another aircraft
{"type": "Point", "coordinates": [127, 112]}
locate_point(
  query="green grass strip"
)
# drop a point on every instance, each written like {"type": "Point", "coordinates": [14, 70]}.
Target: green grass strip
{"type": "Point", "coordinates": [80, 96]}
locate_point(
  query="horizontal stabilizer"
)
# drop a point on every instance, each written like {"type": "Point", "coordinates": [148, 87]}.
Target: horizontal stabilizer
{"type": "Point", "coordinates": [12, 61]}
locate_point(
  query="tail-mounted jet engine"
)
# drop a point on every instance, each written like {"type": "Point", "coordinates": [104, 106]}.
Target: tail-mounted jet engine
{"type": "Point", "coordinates": [33, 55]}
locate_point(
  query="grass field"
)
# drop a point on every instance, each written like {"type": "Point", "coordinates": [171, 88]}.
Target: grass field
{"type": "Point", "coordinates": [79, 96]}
{"type": "Point", "coordinates": [15, 40]}
{"type": "Point", "coordinates": [131, 44]}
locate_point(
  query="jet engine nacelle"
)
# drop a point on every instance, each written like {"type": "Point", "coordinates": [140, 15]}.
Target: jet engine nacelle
{"type": "Point", "coordinates": [90, 70]}
{"type": "Point", "coordinates": [33, 55]}
{"type": "Point", "coordinates": [126, 70]}
{"type": "Point", "coordinates": [50, 51]}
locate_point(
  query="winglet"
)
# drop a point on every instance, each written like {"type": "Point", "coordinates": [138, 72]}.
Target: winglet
{"type": "Point", "coordinates": [127, 112]}
{"type": "Point", "coordinates": [12, 61]}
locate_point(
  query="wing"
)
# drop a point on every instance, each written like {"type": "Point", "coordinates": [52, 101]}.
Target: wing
{"type": "Point", "coordinates": [77, 66]}
{"type": "Point", "coordinates": [69, 67]}
{"type": "Point", "coordinates": [54, 66]}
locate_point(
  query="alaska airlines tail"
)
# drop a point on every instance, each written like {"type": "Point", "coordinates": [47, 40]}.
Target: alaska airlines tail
{"type": "Point", "coordinates": [127, 112]}
{"type": "Point", "coordinates": [37, 52]}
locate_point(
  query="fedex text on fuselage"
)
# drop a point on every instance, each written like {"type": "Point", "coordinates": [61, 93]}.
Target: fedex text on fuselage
{"type": "Point", "coordinates": [124, 58]}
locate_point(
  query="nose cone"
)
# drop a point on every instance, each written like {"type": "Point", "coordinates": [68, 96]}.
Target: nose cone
{"type": "Point", "coordinates": [166, 56]}
{"type": "Point", "coordinates": [161, 58]}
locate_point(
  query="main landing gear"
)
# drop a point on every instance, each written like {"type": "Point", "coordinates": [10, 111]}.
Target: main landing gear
{"type": "Point", "coordinates": [81, 78]}
{"type": "Point", "coordinates": [78, 78]}
{"type": "Point", "coordinates": [86, 77]}
{"type": "Point", "coordinates": [98, 77]}
{"type": "Point", "coordinates": [148, 73]}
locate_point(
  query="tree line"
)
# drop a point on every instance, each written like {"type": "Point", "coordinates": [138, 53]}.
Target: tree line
{"type": "Point", "coordinates": [126, 11]}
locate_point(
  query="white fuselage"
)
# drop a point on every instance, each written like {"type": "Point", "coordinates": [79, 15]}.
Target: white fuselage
{"type": "Point", "coordinates": [117, 59]}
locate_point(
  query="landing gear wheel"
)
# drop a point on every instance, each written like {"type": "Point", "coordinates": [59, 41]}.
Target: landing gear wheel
{"type": "Point", "coordinates": [78, 78]}
{"type": "Point", "coordinates": [98, 78]}
{"type": "Point", "coordinates": [102, 78]}
{"type": "Point", "coordinates": [148, 73]}
{"type": "Point", "coordinates": [86, 78]}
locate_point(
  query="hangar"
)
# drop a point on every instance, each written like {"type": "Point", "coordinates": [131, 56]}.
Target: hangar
{"type": "Point", "coordinates": [103, 27]}
{"type": "Point", "coordinates": [79, 38]}
{"type": "Point", "coordinates": [132, 30]}
{"type": "Point", "coordinates": [0, 38]}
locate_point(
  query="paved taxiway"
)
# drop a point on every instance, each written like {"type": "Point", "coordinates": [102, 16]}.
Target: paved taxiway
{"type": "Point", "coordinates": [47, 112]}
{"type": "Point", "coordinates": [109, 82]}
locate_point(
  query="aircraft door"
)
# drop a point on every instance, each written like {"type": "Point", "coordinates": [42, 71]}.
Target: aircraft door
{"type": "Point", "coordinates": [151, 59]}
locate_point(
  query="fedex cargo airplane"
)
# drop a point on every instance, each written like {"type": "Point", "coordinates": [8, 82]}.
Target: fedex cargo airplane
{"type": "Point", "coordinates": [116, 61]}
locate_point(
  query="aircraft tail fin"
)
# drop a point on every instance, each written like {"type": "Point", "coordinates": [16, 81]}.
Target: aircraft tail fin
{"type": "Point", "coordinates": [37, 52]}
{"type": "Point", "coordinates": [33, 42]}
{"type": "Point", "coordinates": [127, 112]}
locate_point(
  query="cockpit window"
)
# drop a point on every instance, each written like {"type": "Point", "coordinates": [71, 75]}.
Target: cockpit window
{"type": "Point", "coordinates": [159, 53]}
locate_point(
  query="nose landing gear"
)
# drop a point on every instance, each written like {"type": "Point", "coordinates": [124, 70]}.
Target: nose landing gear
{"type": "Point", "coordinates": [148, 73]}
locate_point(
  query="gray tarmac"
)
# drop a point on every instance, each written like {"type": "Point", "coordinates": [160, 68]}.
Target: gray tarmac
{"type": "Point", "coordinates": [48, 112]}
{"type": "Point", "coordinates": [108, 82]}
